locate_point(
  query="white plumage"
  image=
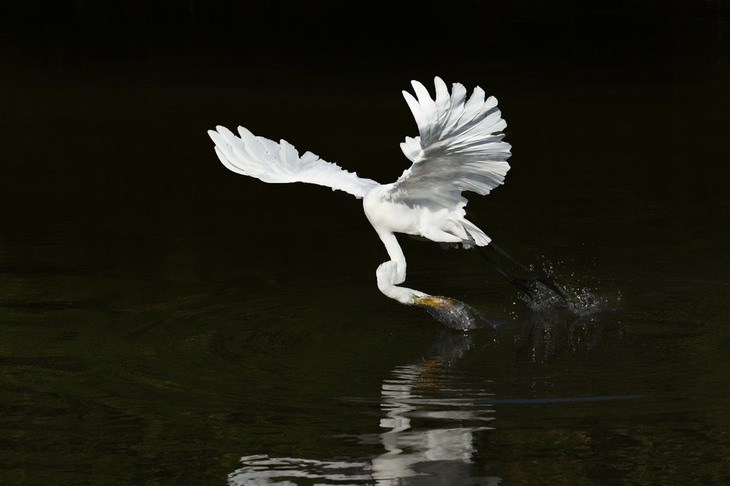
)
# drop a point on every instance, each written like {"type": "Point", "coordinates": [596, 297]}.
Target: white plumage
{"type": "Point", "coordinates": [459, 148]}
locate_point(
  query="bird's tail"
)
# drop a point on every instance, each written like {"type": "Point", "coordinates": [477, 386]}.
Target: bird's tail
{"type": "Point", "coordinates": [479, 237]}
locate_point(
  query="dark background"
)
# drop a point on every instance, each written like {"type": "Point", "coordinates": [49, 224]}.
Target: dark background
{"type": "Point", "coordinates": [655, 38]}
{"type": "Point", "coordinates": [90, 90]}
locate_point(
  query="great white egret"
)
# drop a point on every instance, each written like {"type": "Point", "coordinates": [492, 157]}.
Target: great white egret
{"type": "Point", "coordinates": [460, 148]}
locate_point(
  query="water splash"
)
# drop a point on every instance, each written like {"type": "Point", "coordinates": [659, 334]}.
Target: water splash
{"type": "Point", "coordinates": [459, 316]}
{"type": "Point", "coordinates": [583, 296]}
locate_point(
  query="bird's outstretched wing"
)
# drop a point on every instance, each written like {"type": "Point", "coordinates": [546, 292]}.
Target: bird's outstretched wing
{"type": "Point", "coordinates": [280, 162]}
{"type": "Point", "coordinates": [459, 147]}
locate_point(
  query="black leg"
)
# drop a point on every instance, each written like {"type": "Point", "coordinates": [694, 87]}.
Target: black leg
{"type": "Point", "coordinates": [522, 284]}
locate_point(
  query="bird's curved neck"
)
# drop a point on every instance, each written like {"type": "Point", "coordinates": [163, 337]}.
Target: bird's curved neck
{"type": "Point", "coordinates": [395, 252]}
{"type": "Point", "coordinates": [393, 272]}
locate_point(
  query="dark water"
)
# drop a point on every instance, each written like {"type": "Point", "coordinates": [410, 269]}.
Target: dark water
{"type": "Point", "coordinates": [163, 321]}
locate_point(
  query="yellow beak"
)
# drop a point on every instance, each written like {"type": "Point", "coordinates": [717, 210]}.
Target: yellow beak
{"type": "Point", "coordinates": [434, 301]}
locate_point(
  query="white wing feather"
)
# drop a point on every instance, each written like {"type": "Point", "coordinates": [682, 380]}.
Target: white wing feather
{"type": "Point", "coordinates": [459, 148]}
{"type": "Point", "coordinates": [280, 162]}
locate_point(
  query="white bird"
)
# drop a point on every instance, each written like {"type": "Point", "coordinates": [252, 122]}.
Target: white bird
{"type": "Point", "coordinates": [460, 148]}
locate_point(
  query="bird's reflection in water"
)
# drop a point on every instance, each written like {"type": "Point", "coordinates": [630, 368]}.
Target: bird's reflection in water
{"type": "Point", "coordinates": [432, 411]}
{"type": "Point", "coordinates": [422, 403]}
{"type": "Point", "coordinates": [429, 424]}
